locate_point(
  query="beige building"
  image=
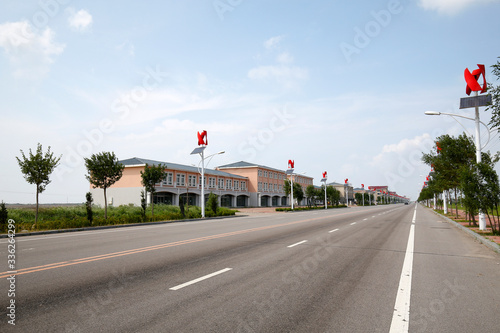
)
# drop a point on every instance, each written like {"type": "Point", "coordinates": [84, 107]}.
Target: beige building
{"type": "Point", "coordinates": [181, 182]}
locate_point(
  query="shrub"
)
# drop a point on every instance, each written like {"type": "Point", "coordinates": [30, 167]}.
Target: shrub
{"type": "Point", "coordinates": [212, 204]}
{"type": "Point", "coordinates": [88, 206]}
{"type": "Point", "coordinates": [4, 216]}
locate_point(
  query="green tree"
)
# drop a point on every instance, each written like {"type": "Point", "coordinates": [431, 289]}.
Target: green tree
{"type": "Point", "coordinates": [298, 192]}
{"type": "Point", "coordinates": [454, 154]}
{"type": "Point", "coordinates": [88, 207]}
{"type": "Point", "coordinates": [150, 176]}
{"type": "Point", "coordinates": [333, 195]}
{"type": "Point", "coordinates": [143, 206]}
{"type": "Point", "coordinates": [311, 195]}
{"type": "Point", "coordinates": [4, 216]}
{"type": "Point", "coordinates": [481, 191]}
{"type": "Point", "coordinates": [37, 169]}
{"type": "Point", "coordinates": [103, 170]}
{"type": "Point", "coordinates": [213, 202]}
{"type": "Point", "coordinates": [495, 94]}
{"type": "Point", "coordinates": [286, 187]}
{"type": "Point", "coordinates": [359, 198]}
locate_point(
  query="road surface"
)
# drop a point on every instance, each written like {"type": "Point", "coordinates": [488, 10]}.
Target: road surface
{"type": "Point", "coordinates": [395, 268]}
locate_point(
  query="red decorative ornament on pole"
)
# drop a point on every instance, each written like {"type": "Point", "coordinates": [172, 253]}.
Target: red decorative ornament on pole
{"type": "Point", "coordinates": [202, 138]}
{"type": "Point", "coordinates": [472, 80]}
{"type": "Point", "coordinates": [291, 164]}
{"type": "Point", "coordinates": [324, 174]}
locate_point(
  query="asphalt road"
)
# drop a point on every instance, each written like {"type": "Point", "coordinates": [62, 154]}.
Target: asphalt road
{"type": "Point", "coordinates": [395, 268]}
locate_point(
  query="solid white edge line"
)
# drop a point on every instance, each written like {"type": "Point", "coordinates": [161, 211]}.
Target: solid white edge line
{"type": "Point", "coordinates": [353, 223]}
{"type": "Point", "coordinates": [333, 230]}
{"type": "Point", "coordinates": [401, 317]}
{"type": "Point", "coordinates": [297, 243]}
{"type": "Point", "coordinates": [200, 279]}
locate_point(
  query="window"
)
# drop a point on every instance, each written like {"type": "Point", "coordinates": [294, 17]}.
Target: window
{"type": "Point", "coordinates": [199, 183]}
{"type": "Point", "coordinates": [280, 188]}
{"type": "Point", "coordinates": [265, 173]}
{"type": "Point", "coordinates": [265, 187]}
{"type": "Point", "coordinates": [191, 181]}
{"type": "Point", "coordinates": [180, 180]}
{"type": "Point", "coordinates": [221, 183]}
{"type": "Point", "coordinates": [260, 186]}
{"type": "Point", "coordinates": [260, 173]}
{"type": "Point", "coordinates": [275, 187]}
{"type": "Point", "coordinates": [275, 175]}
{"type": "Point", "coordinates": [236, 184]}
{"type": "Point", "coordinates": [243, 185]}
{"type": "Point", "coordinates": [229, 184]}
{"type": "Point", "coordinates": [168, 180]}
{"type": "Point", "coordinates": [211, 182]}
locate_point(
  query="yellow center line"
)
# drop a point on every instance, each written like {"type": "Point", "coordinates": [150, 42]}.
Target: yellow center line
{"type": "Point", "coordinates": [149, 248]}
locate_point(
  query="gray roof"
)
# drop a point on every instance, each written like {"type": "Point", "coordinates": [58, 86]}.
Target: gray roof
{"type": "Point", "coordinates": [180, 167]}
{"type": "Point", "coordinates": [333, 184]}
{"type": "Point", "coordinates": [243, 164]}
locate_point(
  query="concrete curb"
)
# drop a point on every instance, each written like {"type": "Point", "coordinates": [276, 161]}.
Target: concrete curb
{"type": "Point", "coordinates": [492, 245]}
{"type": "Point", "coordinates": [59, 231]}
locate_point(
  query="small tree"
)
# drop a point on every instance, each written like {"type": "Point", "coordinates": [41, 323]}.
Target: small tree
{"type": "Point", "coordinates": [181, 207]}
{"type": "Point", "coordinates": [4, 216]}
{"type": "Point", "coordinates": [213, 203]}
{"type": "Point", "coordinates": [310, 195]}
{"type": "Point", "coordinates": [494, 91]}
{"type": "Point", "coordinates": [152, 175]}
{"type": "Point", "coordinates": [37, 169]}
{"type": "Point", "coordinates": [298, 192]}
{"type": "Point", "coordinates": [359, 198]}
{"type": "Point", "coordinates": [143, 206]}
{"type": "Point", "coordinates": [104, 170]}
{"type": "Point", "coordinates": [333, 195]}
{"type": "Point", "coordinates": [88, 207]}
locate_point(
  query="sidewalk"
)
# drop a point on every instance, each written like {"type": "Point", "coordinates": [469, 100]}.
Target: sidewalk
{"type": "Point", "coordinates": [257, 210]}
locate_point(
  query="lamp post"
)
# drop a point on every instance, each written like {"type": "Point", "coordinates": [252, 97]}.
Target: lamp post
{"type": "Point", "coordinates": [289, 171]}
{"type": "Point", "coordinates": [203, 142]}
{"type": "Point", "coordinates": [482, 219]}
{"type": "Point", "coordinates": [324, 179]}
{"type": "Point", "coordinates": [201, 151]}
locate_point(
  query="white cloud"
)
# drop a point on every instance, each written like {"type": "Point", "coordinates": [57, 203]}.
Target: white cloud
{"type": "Point", "coordinates": [128, 47]}
{"type": "Point", "coordinates": [29, 51]}
{"type": "Point", "coordinates": [288, 76]}
{"type": "Point", "coordinates": [81, 20]}
{"type": "Point", "coordinates": [401, 164]}
{"type": "Point", "coordinates": [450, 6]}
{"type": "Point", "coordinates": [284, 58]}
{"type": "Point", "coordinates": [272, 42]}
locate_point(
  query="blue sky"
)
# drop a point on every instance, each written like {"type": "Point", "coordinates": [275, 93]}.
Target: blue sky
{"type": "Point", "coordinates": [338, 86]}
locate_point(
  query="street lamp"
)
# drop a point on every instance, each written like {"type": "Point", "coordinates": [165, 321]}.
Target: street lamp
{"type": "Point", "coordinates": [324, 179]}
{"type": "Point", "coordinates": [482, 219]}
{"type": "Point", "coordinates": [201, 151]}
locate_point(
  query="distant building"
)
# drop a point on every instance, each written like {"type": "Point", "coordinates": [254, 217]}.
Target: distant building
{"type": "Point", "coordinates": [265, 183]}
{"type": "Point", "coordinates": [342, 188]}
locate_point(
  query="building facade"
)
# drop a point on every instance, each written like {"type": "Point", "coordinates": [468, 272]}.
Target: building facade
{"type": "Point", "coordinates": [182, 182]}
{"type": "Point", "coordinates": [265, 184]}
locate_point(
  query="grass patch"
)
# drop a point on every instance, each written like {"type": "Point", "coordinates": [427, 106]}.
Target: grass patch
{"type": "Point", "coordinates": [55, 218]}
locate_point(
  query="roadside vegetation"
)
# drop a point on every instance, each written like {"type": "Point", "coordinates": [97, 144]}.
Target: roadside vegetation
{"type": "Point", "coordinates": [55, 218]}
{"type": "Point", "coordinates": [457, 176]}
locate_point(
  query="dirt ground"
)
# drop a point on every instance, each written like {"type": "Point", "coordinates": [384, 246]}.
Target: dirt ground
{"type": "Point", "coordinates": [461, 216]}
